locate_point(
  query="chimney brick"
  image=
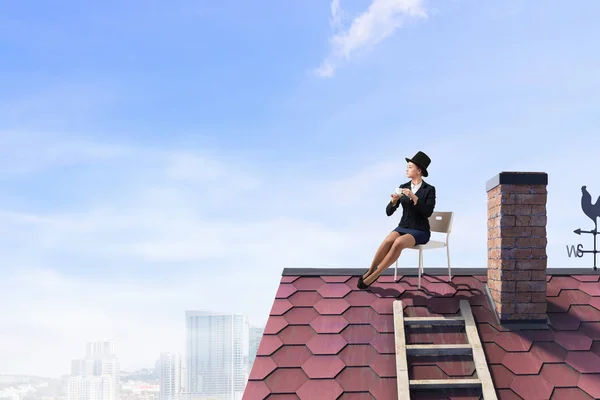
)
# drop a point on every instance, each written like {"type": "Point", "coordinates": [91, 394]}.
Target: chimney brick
{"type": "Point", "coordinates": [517, 258]}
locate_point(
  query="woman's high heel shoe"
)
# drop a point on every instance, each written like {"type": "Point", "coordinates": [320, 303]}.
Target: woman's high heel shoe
{"type": "Point", "coordinates": [361, 283]}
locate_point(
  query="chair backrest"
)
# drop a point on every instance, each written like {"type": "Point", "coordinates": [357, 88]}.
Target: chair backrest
{"type": "Point", "coordinates": [441, 221]}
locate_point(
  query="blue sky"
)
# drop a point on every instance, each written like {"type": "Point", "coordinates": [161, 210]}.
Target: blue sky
{"type": "Point", "coordinates": [158, 157]}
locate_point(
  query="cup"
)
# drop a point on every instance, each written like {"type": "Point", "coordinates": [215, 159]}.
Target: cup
{"type": "Point", "coordinates": [399, 191]}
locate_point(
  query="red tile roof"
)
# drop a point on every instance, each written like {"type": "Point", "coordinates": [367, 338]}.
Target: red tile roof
{"type": "Point", "coordinates": [325, 339]}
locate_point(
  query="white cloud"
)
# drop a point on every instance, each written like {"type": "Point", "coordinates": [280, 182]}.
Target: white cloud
{"type": "Point", "coordinates": [336, 15]}
{"type": "Point", "coordinates": [326, 70]}
{"type": "Point", "coordinates": [37, 152]}
{"type": "Point", "coordinates": [191, 167]}
{"type": "Point", "coordinates": [378, 22]}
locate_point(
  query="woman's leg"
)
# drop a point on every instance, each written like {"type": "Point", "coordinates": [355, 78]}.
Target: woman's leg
{"type": "Point", "coordinates": [384, 248]}
{"type": "Point", "coordinates": [401, 243]}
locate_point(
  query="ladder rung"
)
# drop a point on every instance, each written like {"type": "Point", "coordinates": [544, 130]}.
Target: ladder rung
{"type": "Point", "coordinates": [438, 349]}
{"type": "Point", "coordinates": [450, 320]}
{"type": "Point", "coordinates": [444, 383]}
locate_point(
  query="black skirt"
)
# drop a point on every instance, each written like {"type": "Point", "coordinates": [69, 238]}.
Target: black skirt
{"type": "Point", "coordinates": [421, 237]}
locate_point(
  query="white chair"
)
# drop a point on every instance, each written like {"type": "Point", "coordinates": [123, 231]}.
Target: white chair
{"type": "Point", "coordinates": [440, 222]}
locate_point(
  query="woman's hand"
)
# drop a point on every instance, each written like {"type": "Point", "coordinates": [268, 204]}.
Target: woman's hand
{"type": "Point", "coordinates": [395, 198]}
{"type": "Point", "coordinates": [408, 193]}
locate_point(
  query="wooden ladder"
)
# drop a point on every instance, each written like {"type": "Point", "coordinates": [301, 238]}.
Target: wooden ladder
{"type": "Point", "coordinates": [474, 348]}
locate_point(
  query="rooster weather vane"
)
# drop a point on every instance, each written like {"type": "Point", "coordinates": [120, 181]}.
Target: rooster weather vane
{"type": "Point", "coordinates": [593, 212]}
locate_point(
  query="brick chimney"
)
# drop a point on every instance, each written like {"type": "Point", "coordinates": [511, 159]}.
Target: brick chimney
{"type": "Point", "coordinates": [517, 258]}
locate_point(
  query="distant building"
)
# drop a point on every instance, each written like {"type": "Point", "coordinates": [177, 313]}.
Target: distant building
{"type": "Point", "coordinates": [90, 388]}
{"type": "Point", "coordinates": [254, 339]}
{"type": "Point", "coordinates": [217, 354]}
{"type": "Point", "coordinates": [170, 376]}
{"type": "Point", "coordinates": [97, 376]}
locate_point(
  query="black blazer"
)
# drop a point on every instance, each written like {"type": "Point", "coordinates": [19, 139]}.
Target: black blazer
{"type": "Point", "coordinates": [415, 216]}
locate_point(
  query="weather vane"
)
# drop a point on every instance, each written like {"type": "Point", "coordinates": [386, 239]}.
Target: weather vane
{"type": "Point", "coordinates": [593, 212]}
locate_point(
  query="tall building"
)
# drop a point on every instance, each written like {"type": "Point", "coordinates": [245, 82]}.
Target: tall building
{"type": "Point", "coordinates": [170, 376]}
{"type": "Point", "coordinates": [217, 353]}
{"type": "Point", "coordinates": [111, 368]}
{"type": "Point", "coordinates": [256, 334]}
{"type": "Point", "coordinates": [97, 376]}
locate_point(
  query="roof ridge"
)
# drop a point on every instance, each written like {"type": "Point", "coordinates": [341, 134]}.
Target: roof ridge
{"type": "Point", "coordinates": [456, 271]}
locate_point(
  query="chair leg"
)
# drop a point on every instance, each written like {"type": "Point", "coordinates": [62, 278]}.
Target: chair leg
{"type": "Point", "coordinates": [420, 269]}
{"type": "Point", "coordinates": [448, 256]}
{"type": "Point", "coordinates": [396, 271]}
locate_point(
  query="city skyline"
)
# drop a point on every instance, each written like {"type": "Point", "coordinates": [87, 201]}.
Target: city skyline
{"type": "Point", "coordinates": [102, 349]}
{"type": "Point", "coordinates": [97, 376]}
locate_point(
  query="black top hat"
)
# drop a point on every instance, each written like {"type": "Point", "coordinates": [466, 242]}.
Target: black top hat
{"type": "Point", "coordinates": [422, 161]}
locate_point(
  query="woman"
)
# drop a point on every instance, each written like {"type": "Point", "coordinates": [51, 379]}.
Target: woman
{"type": "Point", "coordinates": [418, 201]}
